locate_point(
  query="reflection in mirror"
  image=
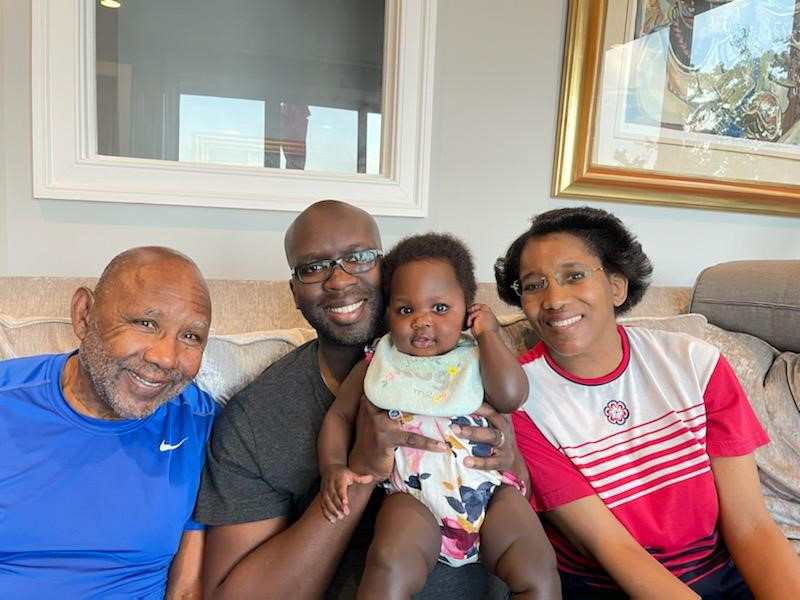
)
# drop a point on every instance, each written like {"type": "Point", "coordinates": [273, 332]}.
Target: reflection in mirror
{"type": "Point", "coordinates": [285, 84]}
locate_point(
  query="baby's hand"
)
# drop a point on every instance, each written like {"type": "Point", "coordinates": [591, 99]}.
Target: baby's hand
{"type": "Point", "coordinates": [333, 490]}
{"type": "Point", "coordinates": [481, 319]}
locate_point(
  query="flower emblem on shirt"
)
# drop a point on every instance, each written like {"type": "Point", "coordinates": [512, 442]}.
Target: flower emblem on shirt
{"type": "Point", "coordinates": [616, 412]}
{"type": "Point", "coordinates": [452, 370]}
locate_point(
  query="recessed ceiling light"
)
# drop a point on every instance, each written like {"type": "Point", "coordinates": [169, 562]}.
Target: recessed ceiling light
{"type": "Point", "coordinates": [110, 3]}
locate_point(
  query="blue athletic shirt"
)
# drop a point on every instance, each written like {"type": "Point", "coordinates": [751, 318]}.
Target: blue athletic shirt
{"type": "Point", "coordinates": [92, 508]}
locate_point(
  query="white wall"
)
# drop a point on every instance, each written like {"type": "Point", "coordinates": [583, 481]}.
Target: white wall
{"type": "Point", "coordinates": [4, 52]}
{"type": "Point", "coordinates": [496, 99]}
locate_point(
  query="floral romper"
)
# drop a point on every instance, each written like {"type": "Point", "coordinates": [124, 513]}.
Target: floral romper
{"type": "Point", "coordinates": [429, 394]}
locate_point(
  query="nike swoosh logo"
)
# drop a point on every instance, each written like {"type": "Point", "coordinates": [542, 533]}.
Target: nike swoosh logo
{"type": "Point", "coordinates": [164, 447]}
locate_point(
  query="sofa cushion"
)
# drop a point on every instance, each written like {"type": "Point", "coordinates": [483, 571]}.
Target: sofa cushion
{"type": "Point", "coordinates": [517, 333]}
{"type": "Point", "coordinates": [759, 297]}
{"type": "Point", "coordinates": [238, 305]}
{"type": "Point", "coordinates": [35, 335]}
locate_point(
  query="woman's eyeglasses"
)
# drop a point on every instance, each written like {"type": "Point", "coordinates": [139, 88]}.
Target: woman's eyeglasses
{"type": "Point", "coordinates": [534, 283]}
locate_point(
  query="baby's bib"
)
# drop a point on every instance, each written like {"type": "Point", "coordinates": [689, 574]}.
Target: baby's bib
{"type": "Point", "coordinates": [442, 386]}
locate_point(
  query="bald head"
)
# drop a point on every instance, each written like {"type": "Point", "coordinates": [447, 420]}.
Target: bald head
{"type": "Point", "coordinates": [324, 217]}
{"type": "Point", "coordinates": [160, 258]}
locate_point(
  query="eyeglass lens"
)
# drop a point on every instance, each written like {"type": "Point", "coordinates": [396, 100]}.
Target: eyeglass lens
{"type": "Point", "coordinates": [353, 264]}
{"type": "Point", "coordinates": [535, 282]}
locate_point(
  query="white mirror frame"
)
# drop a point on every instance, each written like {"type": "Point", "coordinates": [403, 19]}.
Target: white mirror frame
{"type": "Point", "coordinates": [66, 164]}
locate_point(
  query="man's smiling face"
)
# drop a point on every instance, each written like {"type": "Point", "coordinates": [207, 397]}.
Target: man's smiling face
{"type": "Point", "coordinates": [344, 309]}
{"type": "Point", "coordinates": [145, 336]}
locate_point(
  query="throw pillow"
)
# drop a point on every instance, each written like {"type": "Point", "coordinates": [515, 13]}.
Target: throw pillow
{"type": "Point", "coordinates": [230, 362]}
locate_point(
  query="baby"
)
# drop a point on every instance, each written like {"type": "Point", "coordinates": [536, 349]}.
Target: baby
{"type": "Point", "coordinates": [431, 376]}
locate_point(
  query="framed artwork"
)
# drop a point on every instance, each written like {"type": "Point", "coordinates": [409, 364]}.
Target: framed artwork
{"type": "Point", "coordinates": [692, 103]}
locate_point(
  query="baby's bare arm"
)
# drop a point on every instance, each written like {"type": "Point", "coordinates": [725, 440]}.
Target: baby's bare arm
{"type": "Point", "coordinates": [504, 381]}
{"type": "Point", "coordinates": [333, 443]}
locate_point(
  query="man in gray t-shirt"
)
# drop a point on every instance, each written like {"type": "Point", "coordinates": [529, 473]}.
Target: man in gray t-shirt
{"type": "Point", "coordinates": [268, 537]}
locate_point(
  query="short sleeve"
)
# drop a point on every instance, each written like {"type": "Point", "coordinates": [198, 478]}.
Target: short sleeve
{"type": "Point", "coordinates": [233, 489]}
{"type": "Point", "coordinates": [555, 481]}
{"type": "Point", "coordinates": [192, 525]}
{"type": "Point", "coordinates": [732, 428]}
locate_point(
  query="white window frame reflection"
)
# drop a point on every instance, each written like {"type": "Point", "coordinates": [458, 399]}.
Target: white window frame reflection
{"type": "Point", "coordinates": [66, 163]}
{"type": "Point", "coordinates": [201, 146]}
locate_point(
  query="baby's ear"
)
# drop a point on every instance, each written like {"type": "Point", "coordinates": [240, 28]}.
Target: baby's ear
{"type": "Point", "coordinates": [465, 324]}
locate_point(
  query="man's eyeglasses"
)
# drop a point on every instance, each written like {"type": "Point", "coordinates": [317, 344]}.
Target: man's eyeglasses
{"type": "Point", "coordinates": [354, 263]}
{"type": "Point", "coordinates": [535, 283]}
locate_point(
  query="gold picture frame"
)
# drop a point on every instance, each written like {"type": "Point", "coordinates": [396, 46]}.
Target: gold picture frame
{"type": "Point", "coordinates": [595, 161]}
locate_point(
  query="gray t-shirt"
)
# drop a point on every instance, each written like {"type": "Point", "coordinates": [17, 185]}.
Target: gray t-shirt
{"type": "Point", "coordinates": [262, 463]}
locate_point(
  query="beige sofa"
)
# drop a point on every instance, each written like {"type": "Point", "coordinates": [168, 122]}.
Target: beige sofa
{"type": "Point", "coordinates": [749, 309]}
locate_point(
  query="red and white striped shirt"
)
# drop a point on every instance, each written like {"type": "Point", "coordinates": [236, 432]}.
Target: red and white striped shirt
{"type": "Point", "coordinates": [640, 438]}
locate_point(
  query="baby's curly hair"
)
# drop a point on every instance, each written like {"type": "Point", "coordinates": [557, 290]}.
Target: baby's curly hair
{"type": "Point", "coordinates": [605, 236]}
{"type": "Point", "coordinates": [432, 246]}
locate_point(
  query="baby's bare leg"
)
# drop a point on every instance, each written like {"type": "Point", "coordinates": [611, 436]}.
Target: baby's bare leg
{"type": "Point", "coordinates": [515, 547]}
{"type": "Point", "coordinates": [404, 549]}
